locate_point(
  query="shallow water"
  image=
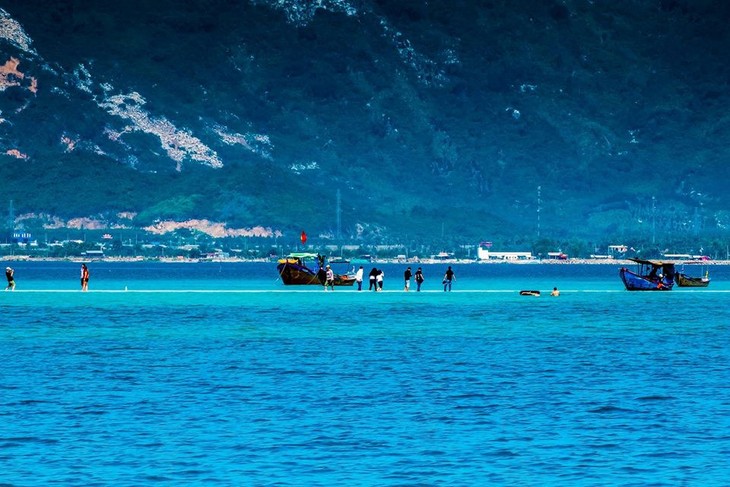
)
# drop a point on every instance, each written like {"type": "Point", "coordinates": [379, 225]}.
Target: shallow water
{"type": "Point", "coordinates": [218, 374]}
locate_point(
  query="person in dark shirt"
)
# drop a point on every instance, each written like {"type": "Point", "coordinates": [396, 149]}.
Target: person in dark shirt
{"type": "Point", "coordinates": [407, 277]}
{"type": "Point", "coordinates": [373, 277]}
{"type": "Point", "coordinates": [10, 274]}
{"type": "Point", "coordinates": [419, 279]}
{"type": "Point", "coordinates": [448, 277]}
{"type": "Point", "coordinates": [322, 276]}
{"type": "Point", "coordinates": [84, 277]}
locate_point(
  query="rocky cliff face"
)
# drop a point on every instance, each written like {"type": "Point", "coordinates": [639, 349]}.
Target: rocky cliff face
{"type": "Point", "coordinates": [461, 119]}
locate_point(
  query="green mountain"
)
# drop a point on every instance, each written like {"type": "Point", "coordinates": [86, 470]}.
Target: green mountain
{"type": "Point", "coordinates": [447, 120]}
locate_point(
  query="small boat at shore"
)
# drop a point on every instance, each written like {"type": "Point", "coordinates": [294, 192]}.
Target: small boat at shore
{"type": "Point", "coordinates": [293, 270]}
{"type": "Point", "coordinates": [651, 275]}
{"type": "Point", "coordinates": [683, 280]}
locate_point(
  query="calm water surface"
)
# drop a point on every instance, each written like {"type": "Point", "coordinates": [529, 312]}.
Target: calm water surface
{"type": "Point", "coordinates": [217, 374]}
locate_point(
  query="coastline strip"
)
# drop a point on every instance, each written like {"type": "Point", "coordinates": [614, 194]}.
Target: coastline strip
{"type": "Point", "coordinates": [312, 291]}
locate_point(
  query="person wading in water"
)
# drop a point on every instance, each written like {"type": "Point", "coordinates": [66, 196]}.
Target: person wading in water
{"type": "Point", "coordinates": [84, 277]}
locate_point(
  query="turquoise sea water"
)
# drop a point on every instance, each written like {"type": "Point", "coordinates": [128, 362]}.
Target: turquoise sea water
{"type": "Point", "coordinates": [217, 374]}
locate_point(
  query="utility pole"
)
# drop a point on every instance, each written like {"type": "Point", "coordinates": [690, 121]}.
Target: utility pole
{"type": "Point", "coordinates": [11, 217]}
{"type": "Point", "coordinates": [339, 212]}
{"type": "Point", "coordinates": [653, 220]}
{"type": "Point", "coordinates": [539, 190]}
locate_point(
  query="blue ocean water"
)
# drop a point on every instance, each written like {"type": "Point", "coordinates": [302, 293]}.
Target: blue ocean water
{"type": "Point", "coordinates": [217, 374]}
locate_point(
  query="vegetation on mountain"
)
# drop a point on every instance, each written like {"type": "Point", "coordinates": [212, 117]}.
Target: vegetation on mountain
{"type": "Point", "coordinates": [444, 121]}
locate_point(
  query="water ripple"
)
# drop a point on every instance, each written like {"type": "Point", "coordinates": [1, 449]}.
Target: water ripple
{"type": "Point", "coordinates": [354, 389]}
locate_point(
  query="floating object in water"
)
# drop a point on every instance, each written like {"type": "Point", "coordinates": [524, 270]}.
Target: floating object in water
{"type": "Point", "coordinates": [529, 293]}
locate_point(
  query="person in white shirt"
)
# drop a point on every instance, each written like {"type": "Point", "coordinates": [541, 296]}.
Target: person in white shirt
{"type": "Point", "coordinates": [379, 280]}
{"type": "Point", "coordinates": [358, 278]}
{"type": "Point", "coordinates": [330, 279]}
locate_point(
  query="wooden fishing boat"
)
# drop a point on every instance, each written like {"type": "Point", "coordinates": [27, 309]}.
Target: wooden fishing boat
{"type": "Point", "coordinates": [683, 280]}
{"type": "Point", "coordinates": [293, 270]}
{"type": "Point", "coordinates": [688, 281]}
{"type": "Point", "coordinates": [651, 275]}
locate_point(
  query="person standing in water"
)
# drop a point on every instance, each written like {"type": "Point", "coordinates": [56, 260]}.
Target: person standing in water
{"type": "Point", "coordinates": [10, 274]}
{"type": "Point", "coordinates": [322, 276]}
{"type": "Point", "coordinates": [555, 292]}
{"type": "Point", "coordinates": [448, 277]}
{"type": "Point", "coordinates": [84, 277]}
{"type": "Point", "coordinates": [379, 279]}
{"type": "Point", "coordinates": [373, 278]}
{"type": "Point", "coordinates": [419, 279]}
{"type": "Point", "coordinates": [330, 279]}
{"type": "Point", "coordinates": [358, 278]}
{"type": "Point", "coordinates": [407, 278]}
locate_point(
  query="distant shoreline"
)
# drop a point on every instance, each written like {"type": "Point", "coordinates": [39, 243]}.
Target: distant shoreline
{"type": "Point", "coordinates": [619, 262]}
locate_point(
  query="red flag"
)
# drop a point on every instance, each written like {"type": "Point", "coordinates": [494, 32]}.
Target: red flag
{"type": "Point", "coordinates": [303, 237]}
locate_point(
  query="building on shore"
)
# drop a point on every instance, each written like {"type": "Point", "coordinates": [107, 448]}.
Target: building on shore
{"type": "Point", "coordinates": [483, 253]}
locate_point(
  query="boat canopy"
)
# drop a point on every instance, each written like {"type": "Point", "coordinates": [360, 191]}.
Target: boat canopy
{"type": "Point", "coordinates": [302, 255]}
{"type": "Point", "coordinates": [656, 263]}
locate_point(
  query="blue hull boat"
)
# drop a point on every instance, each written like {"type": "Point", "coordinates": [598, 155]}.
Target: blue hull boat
{"type": "Point", "coordinates": [651, 276]}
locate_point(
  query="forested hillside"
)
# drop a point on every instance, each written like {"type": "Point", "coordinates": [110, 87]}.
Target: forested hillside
{"type": "Point", "coordinates": [447, 120]}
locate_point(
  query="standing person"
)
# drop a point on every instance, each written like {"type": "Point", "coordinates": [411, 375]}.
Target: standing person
{"type": "Point", "coordinates": [555, 292]}
{"type": "Point", "coordinates": [84, 277]}
{"type": "Point", "coordinates": [419, 279]}
{"type": "Point", "coordinates": [373, 278]}
{"type": "Point", "coordinates": [379, 279]}
{"type": "Point", "coordinates": [358, 278]}
{"type": "Point", "coordinates": [322, 276]}
{"type": "Point", "coordinates": [329, 279]}
{"type": "Point", "coordinates": [448, 277]}
{"type": "Point", "coordinates": [407, 277]}
{"type": "Point", "coordinates": [10, 274]}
